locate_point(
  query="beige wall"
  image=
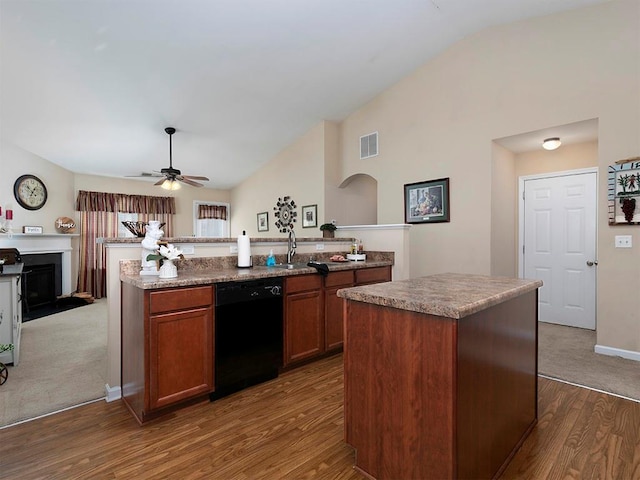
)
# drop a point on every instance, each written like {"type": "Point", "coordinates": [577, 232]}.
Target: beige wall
{"type": "Point", "coordinates": [503, 213]}
{"type": "Point", "coordinates": [63, 185]}
{"type": "Point", "coordinates": [297, 171]}
{"type": "Point", "coordinates": [15, 162]}
{"type": "Point", "coordinates": [440, 120]}
{"type": "Point", "coordinates": [567, 157]}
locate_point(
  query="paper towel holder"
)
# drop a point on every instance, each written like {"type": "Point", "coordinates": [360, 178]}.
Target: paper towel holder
{"type": "Point", "coordinates": [244, 248]}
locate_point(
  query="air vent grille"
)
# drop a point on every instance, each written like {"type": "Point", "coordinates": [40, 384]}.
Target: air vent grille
{"type": "Point", "coordinates": [369, 145]}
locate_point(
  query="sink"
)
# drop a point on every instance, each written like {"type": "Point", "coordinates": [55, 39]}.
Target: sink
{"type": "Point", "coordinates": [290, 266]}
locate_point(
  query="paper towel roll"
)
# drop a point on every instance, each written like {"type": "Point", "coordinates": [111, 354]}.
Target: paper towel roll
{"type": "Point", "coordinates": [244, 251]}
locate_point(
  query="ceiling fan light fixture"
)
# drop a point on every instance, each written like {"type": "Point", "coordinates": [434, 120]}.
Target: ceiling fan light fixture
{"type": "Point", "coordinates": [170, 184]}
{"type": "Point", "coordinates": [551, 143]}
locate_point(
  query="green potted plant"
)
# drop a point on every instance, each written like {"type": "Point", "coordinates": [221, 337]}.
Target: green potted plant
{"type": "Point", "coordinates": [327, 230]}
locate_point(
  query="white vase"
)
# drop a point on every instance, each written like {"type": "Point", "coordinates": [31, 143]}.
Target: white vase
{"type": "Point", "coordinates": [168, 269]}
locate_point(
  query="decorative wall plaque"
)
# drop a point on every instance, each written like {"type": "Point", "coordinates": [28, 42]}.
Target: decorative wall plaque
{"type": "Point", "coordinates": [624, 192]}
{"type": "Point", "coordinates": [65, 225]}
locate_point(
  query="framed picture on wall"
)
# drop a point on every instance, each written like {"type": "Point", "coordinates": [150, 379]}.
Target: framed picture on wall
{"type": "Point", "coordinates": [309, 216]}
{"type": "Point", "coordinates": [263, 222]}
{"type": "Point", "coordinates": [427, 202]}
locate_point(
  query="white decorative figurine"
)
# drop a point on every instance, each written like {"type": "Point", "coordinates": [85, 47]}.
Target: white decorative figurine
{"type": "Point", "coordinates": [150, 247]}
{"type": "Point", "coordinates": [168, 268]}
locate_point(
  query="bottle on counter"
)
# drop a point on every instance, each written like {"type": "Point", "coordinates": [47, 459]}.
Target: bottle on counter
{"type": "Point", "coordinates": [360, 247]}
{"type": "Point", "coordinates": [271, 259]}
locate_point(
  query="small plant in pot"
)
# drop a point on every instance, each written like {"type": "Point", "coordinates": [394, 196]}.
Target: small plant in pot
{"type": "Point", "coordinates": [327, 230]}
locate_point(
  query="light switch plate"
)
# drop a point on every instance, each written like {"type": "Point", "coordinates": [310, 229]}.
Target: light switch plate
{"type": "Point", "coordinates": [187, 249]}
{"type": "Point", "coordinates": [319, 246]}
{"type": "Point", "coordinates": [624, 241]}
{"type": "Point", "coordinates": [233, 249]}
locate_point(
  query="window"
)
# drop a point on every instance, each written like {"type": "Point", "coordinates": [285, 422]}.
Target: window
{"type": "Point", "coordinates": [210, 219]}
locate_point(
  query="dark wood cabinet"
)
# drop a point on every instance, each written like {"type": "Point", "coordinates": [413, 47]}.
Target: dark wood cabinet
{"type": "Point", "coordinates": [333, 307]}
{"type": "Point", "coordinates": [167, 347]}
{"type": "Point", "coordinates": [313, 315]}
{"type": "Point", "coordinates": [459, 396]}
{"type": "Point", "coordinates": [303, 318]}
{"type": "Point", "coordinates": [366, 276]}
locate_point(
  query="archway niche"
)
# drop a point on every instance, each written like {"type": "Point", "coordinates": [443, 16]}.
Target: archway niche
{"type": "Point", "coordinates": [354, 201]}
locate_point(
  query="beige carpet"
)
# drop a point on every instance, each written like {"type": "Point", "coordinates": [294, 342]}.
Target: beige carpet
{"type": "Point", "coordinates": [62, 364]}
{"type": "Point", "coordinates": [567, 353]}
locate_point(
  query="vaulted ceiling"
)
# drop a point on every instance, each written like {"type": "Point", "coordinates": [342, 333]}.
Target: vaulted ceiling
{"type": "Point", "coordinates": [90, 85]}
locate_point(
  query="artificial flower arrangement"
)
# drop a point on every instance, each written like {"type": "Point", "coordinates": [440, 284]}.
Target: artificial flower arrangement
{"type": "Point", "coordinates": [166, 252]}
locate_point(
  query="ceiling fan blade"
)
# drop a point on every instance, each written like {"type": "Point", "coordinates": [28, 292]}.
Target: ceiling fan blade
{"type": "Point", "coordinates": [195, 177]}
{"type": "Point", "coordinates": [160, 182]}
{"type": "Point", "coordinates": [188, 182]}
{"type": "Point", "coordinates": [144, 175]}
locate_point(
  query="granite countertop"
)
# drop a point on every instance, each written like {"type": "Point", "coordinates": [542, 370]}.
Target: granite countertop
{"type": "Point", "coordinates": [451, 295]}
{"type": "Point", "coordinates": [13, 269]}
{"type": "Point", "coordinates": [204, 271]}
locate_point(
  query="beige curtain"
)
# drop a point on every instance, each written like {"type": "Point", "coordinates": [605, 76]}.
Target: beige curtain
{"type": "Point", "coordinates": [99, 219]}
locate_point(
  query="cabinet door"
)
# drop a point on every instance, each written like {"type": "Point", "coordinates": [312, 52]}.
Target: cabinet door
{"type": "Point", "coordinates": [304, 326]}
{"type": "Point", "coordinates": [180, 356]}
{"type": "Point", "coordinates": [333, 307]}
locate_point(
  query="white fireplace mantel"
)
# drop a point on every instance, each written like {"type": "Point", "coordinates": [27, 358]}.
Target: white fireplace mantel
{"type": "Point", "coordinates": [44, 243]}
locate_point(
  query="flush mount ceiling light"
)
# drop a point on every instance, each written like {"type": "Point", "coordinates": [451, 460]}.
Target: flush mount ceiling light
{"type": "Point", "coordinates": [551, 143]}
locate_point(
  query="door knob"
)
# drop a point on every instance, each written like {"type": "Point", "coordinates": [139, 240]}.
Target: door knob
{"type": "Point", "coordinates": [591, 264]}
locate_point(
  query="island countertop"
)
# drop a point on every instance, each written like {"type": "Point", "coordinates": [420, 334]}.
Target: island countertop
{"type": "Point", "coordinates": [451, 295]}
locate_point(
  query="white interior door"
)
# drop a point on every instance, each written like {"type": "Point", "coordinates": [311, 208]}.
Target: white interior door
{"type": "Point", "coordinates": [559, 247]}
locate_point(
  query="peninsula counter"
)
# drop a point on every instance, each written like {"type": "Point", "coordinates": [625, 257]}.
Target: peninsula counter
{"type": "Point", "coordinates": [440, 374]}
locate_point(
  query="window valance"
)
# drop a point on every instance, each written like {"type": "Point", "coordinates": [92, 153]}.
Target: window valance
{"type": "Point", "coordinates": [121, 202]}
{"type": "Point", "coordinates": [218, 212]}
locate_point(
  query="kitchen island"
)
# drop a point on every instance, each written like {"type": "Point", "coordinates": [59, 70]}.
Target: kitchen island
{"type": "Point", "coordinates": [440, 374]}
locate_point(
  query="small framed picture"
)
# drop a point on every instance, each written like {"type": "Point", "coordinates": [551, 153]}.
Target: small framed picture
{"type": "Point", "coordinates": [309, 216]}
{"type": "Point", "coordinates": [263, 222]}
{"type": "Point", "coordinates": [427, 202]}
{"type": "Point", "coordinates": [32, 230]}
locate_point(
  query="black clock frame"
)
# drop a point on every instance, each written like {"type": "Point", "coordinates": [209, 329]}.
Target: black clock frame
{"type": "Point", "coordinates": [16, 192]}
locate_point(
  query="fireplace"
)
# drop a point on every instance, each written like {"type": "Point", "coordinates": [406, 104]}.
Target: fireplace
{"type": "Point", "coordinates": [42, 279]}
{"type": "Point", "coordinates": [46, 243]}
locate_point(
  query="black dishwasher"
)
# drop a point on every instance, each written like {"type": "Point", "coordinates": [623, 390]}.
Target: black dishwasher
{"type": "Point", "coordinates": [248, 334]}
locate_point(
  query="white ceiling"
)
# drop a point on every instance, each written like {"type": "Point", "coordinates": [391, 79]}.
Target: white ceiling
{"type": "Point", "coordinates": [90, 85]}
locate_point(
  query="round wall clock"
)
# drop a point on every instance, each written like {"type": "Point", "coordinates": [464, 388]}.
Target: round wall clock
{"type": "Point", "coordinates": [30, 192]}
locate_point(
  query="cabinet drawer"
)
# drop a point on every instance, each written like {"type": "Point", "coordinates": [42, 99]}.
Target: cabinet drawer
{"type": "Point", "coordinates": [335, 279]}
{"type": "Point", "coordinates": [180, 299]}
{"type": "Point", "coordinates": [302, 283]}
{"type": "Point", "coordinates": [373, 275]}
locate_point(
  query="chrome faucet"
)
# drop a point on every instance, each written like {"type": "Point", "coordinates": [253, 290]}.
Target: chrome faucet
{"type": "Point", "coordinates": [291, 246]}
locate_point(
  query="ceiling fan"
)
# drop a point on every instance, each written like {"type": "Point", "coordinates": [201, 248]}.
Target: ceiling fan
{"type": "Point", "coordinates": [171, 176]}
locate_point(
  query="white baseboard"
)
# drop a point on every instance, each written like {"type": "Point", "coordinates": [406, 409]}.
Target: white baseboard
{"type": "Point", "coordinates": [617, 352]}
{"type": "Point", "coordinates": [113, 393]}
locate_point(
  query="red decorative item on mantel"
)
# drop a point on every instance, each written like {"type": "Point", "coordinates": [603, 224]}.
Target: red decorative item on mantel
{"type": "Point", "coordinates": [9, 215]}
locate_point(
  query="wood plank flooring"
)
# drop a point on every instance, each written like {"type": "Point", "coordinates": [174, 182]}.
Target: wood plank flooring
{"type": "Point", "coordinates": [292, 428]}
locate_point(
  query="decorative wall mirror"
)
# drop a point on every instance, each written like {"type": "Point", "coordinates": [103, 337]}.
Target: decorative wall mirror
{"type": "Point", "coordinates": [624, 192]}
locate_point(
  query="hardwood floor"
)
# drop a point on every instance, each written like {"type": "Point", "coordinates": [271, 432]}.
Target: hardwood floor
{"type": "Point", "coordinates": [292, 428]}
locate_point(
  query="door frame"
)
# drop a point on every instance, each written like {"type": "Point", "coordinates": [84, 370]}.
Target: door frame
{"type": "Point", "coordinates": [564, 173]}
